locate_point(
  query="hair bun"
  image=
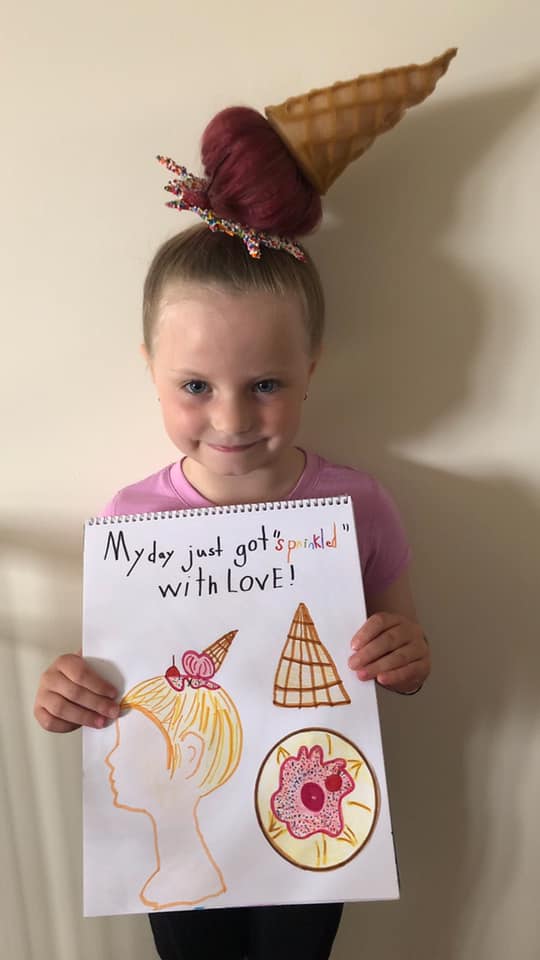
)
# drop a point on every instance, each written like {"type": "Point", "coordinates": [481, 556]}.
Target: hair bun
{"type": "Point", "coordinates": [253, 178]}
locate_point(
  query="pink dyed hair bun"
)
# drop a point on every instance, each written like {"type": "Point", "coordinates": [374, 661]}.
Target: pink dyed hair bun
{"type": "Point", "coordinates": [253, 178]}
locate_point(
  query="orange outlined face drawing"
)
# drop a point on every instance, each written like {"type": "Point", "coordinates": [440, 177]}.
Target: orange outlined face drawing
{"type": "Point", "coordinates": [178, 741]}
{"type": "Point", "coordinates": [316, 799]}
{"type": "Point", "coordinates": [138, 761]}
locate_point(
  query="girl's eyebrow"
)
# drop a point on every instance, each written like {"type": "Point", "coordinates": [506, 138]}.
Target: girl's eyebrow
{"type": "Point", "coordinates": [188, 373]}
{"type": "Point", "coordinates": [193, 375]}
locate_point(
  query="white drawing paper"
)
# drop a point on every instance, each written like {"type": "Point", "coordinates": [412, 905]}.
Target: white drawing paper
{"type": "Point", "coordinates": [246, 767]}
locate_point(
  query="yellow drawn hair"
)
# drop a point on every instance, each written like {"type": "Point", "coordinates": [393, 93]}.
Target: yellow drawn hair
{"type": "Point", "coordinates": [210, 714]}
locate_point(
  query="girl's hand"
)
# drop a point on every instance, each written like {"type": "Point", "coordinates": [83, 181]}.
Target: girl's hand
{"type": "Point", "coordinates": [392, 650]}
{"type": "Point", "coordinates": [71, 695]}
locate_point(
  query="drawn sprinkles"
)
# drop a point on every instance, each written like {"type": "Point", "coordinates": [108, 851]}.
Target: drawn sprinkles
{"type": "Point", "coordinates": [310, 794]}
{"type": "Point", "coordinates": [316, 799]}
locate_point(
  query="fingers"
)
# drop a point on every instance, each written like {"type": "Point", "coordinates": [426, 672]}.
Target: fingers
{"type": "Point", "coordinates": [56, 725]}
{"type": "Point", "coordinates": [57, 713]}
{"type": "Point", "coordinates": [384, 662]}
{"type": "Point", "coordinates": [74, 667]}
{"type": "Point", "coordinates": [375, 625]}
{"type": "Point", "coordinates": [389, 645]}
{"type": "Point", "coordinates": [71, 695]}
{"type": "Point", "coordinates": [405, 680]}
{"type": "Point", "coordinates": [402, 640]}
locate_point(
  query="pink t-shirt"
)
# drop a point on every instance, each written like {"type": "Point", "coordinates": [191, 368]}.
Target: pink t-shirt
{"type": "Point", "coordinates": [384, 551]}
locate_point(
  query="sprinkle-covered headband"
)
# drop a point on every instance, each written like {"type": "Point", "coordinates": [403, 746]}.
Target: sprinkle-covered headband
{"type": "Point", "coordinates": [324, 130]}
{"type": "Point", "coordinates": [252, 238]}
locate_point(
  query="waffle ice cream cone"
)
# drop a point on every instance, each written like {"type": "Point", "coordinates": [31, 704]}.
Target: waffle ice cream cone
{"type": "Point", "coordinates": [218, 650]}
{"type": "Point", "coordinates": [306, 674]}
{"type": "Point", "coordinates": [327, 129]}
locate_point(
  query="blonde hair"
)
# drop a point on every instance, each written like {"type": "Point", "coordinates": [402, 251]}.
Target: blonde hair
{"type": "Point", "coordinates": [211, 714]}
{"type": "Point", "coordinates": [198, 255]}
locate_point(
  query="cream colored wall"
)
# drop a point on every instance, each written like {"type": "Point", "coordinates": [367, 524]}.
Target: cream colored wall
{"type": "Point", "coordinates": [430, 379]}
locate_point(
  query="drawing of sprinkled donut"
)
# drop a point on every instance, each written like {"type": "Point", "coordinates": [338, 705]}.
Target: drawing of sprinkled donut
{"type": "Point", "coordinates": [316, 799]}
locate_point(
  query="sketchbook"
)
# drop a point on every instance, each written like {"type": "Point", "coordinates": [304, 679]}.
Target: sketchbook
{"type": "Point", "coordinates": [246, 767]}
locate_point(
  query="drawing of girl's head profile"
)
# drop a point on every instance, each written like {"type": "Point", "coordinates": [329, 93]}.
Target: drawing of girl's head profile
{"type": "Point", "coordinates": [179, 739]}
{"type": "Point", "coordinates": [194, 724]}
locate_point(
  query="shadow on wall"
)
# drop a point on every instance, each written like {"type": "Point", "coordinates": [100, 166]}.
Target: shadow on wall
{"type": "Point", "coordinates": [399, 364]}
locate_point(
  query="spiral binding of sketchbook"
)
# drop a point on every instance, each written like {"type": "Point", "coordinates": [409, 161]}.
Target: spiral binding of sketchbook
{"type": "Point", "coordinates": [220, 510]}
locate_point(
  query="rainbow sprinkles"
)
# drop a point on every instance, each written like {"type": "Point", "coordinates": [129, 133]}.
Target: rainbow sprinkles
{"type": "Point", "coordinates": [253, 239]}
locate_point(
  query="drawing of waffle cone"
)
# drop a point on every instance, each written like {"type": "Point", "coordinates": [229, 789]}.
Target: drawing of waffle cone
{"type": "Point", "coordinates": [327, 129]}
{"type": "Point", "coordinates": [218, 650]}
{"type": "Point", "coordinates": [306, 674]}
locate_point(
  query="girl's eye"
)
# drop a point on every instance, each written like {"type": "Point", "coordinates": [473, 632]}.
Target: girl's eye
{"type": "Point", "coordinates": [266, 386]}
{"type": "Point", "coordinates": [196, 387]}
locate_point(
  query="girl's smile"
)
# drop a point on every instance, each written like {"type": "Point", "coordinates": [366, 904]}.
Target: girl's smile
{"type": "Point", "coordinates": [238, 448]}
{"type": "Point", "coordinates": [231, 371]}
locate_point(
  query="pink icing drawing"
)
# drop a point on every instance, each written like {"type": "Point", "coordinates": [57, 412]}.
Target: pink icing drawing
{"type": "Point", "coordinates": [199, 668]}
{"type": "Point", "coordinates": [310, 793]}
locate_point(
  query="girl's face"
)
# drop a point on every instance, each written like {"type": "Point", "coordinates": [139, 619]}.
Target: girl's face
{"type": "Point", "coordinates": [231, 371]}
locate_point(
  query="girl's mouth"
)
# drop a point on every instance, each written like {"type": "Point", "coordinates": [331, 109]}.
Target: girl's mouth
{"type": "Point", "coordinates": [232, 448]}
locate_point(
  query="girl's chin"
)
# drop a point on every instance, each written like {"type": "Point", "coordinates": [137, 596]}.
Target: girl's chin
{"type": "Point", "coordinates": [236, 463]}
{"type": "Point", "coordinates": [231, 468]}
{"type": "Point", "coordinates": [232, 461]}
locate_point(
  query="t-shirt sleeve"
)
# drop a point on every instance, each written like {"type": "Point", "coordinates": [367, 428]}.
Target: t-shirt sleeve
{"type": "Point", "coordinates": [383, 544]}
{"type": "Point", "coordinates": [110, 509]}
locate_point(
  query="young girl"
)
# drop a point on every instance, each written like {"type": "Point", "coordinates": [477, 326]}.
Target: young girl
{"type": "Point", "coordinates": [232, 342]}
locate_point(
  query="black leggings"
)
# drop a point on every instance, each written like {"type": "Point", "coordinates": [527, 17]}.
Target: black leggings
{"type": "Point", "coordinates": [248, 933]}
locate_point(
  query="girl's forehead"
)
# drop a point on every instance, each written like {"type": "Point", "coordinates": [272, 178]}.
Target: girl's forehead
{"type": "Point", "coordinates": [196, 315]}
{"type": "Point", "coordinates": [187, 296]}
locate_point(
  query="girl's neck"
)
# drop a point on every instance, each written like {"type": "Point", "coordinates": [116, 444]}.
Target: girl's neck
{"type": "Point", "coordinates": [274, 482]}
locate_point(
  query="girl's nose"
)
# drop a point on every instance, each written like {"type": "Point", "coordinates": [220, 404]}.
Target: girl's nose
{"type": "Point", "coordinates": [232, 416]}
